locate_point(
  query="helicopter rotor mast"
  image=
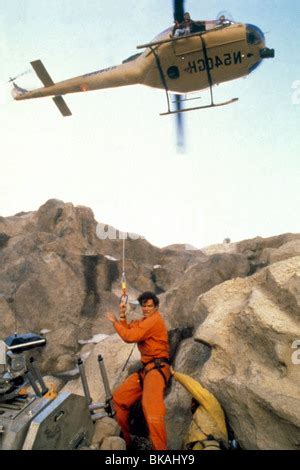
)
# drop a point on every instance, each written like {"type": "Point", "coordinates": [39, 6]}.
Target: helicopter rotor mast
{"type": "Point", "coordinates": [178, 10]}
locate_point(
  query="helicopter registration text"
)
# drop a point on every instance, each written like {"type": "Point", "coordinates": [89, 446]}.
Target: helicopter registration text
{"type": "Point", "coordinates": [196, 66]}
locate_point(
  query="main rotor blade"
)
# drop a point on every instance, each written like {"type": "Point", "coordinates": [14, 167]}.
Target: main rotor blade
{"type": "Point", "coordinates": [178, 10]}
{"type": "Point", "coordinates": [179, 125]}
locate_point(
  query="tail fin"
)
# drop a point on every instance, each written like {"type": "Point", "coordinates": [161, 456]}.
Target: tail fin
{"type": "Point", "coordinates": [45, 78]}
{"type": "Point", "coordinates": [18, 91]}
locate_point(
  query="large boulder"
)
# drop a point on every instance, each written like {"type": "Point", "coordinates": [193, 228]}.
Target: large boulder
{"type": "Point", "coordinates": [7, 319]}
{"type": "Point", "coordinates": [261, 251]}
{"type": "Point", "coordinates": [174, 261]}
{"type": "Point", "coordinates": [178, 302]}
{"type": "Point", "coordinates": [104, 428]}
{"type": "Point", "coordinates": [285, 251]}
{"type": "Point", "coordinates": [57, 274]}
{"type": "Point", "coordinates": [115, 353]}
{"type": "Point", "coordinates": [251, 325]}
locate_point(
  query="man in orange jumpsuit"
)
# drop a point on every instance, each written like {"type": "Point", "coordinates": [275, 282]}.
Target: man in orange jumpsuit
{"type": "Point", "coordinates": [148, 383]}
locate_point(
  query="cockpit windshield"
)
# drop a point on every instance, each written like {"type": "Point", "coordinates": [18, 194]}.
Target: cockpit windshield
{"type": "Point", "coordinates": [254, 35]}
{"type": "Point", "coordinates": [224, 18]}
{"type": "Point", "coordinates": [220, 22]}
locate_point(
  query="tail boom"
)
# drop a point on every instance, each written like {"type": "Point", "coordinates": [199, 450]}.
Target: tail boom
{"type": "Point", "coordinates": [121, 75]}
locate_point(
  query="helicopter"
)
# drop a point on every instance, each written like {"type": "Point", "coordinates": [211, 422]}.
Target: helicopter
{"type": "Point", "coordinates": [206, 54]}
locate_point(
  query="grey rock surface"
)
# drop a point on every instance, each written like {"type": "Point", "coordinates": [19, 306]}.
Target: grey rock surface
{"type": "Point", "coordinates": [250, 326]}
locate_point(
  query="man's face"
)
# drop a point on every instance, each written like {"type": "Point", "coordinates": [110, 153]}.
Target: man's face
{"type": "Point", "coordinates": [148, 308]}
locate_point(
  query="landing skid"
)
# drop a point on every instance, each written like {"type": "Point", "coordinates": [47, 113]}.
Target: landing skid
{"type": "Point", "coordinates": [212, 105]}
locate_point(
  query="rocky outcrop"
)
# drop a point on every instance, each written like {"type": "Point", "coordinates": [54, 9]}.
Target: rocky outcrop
{"type": "Point", "coordinates": [250, 326]}
{"type": "Point", "coordinates": [259, 250]}
{"type": "Point", "coordinates": [7, 317]}
{"type": "Point", "coordinates": [197, 279]}
{"type": "Point", "coordinates": [56, 274]}
{"type": "Point", "coordinates": [61, 272]}
{"type": "Point", "coordinates": [106, 435]}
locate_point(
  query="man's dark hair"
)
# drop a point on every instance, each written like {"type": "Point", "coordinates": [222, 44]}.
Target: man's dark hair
{"type": "Point", "coordinates": [142, 299]}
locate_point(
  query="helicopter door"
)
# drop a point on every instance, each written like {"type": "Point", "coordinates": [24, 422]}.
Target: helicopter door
{"type": "Point", "coordinates": [227, 52]}
{"type": "Point", "coordinates": [187, 45]}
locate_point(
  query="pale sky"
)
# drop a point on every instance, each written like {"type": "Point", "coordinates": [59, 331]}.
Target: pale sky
{"type": "Point", "coordinates": [240, 175]}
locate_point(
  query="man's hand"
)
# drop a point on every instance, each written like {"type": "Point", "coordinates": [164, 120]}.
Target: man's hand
{"type": "Point", "coordinates": [111, 317]}
{"type": "Point", "coordinates": [122, 309]}
{"type": "Point", "coordinates": [172, 371]}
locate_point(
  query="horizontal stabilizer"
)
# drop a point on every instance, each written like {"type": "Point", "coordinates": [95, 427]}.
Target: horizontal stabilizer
{"type": "Point", "coordinates": [62, 106]}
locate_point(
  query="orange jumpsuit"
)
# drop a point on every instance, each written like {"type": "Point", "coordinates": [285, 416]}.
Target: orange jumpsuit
{"type": "Point", "coordinates": [151, 337]}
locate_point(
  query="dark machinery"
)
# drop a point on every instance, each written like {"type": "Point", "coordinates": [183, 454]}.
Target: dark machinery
{"type": "Point", "coordinates": [34, 421]}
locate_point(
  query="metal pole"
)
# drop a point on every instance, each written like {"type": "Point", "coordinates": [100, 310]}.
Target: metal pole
{"type": "Point", "coordinates": [108, 393]}
{"type": "Point", "coordinates": [36, 372]}
{"type": "Point", "coordinates": [32, 382]}
{"type": "Point", "coordinates": [84, 381]}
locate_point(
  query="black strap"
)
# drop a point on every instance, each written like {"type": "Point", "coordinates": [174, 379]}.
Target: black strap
{"type": "Point", "coordinates": [161, 373]}
{"type": "Point", "coordinates": [162, 76]}
{"type": "Point", "coordinates": [159, 364]}
{"type": "Point", "coordinates": [157, 360]}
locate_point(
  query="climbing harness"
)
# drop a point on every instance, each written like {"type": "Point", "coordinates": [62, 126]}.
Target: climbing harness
{"type": "Point", "coordinates": [159, 364]}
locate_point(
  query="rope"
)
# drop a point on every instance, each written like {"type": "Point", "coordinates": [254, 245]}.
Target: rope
{"type": "Point", "coordinates": [124, 296]}
{"type": "Point", "coordinates": [124, 367]}
{"type": "Point", "coordinates": [123, 256]}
